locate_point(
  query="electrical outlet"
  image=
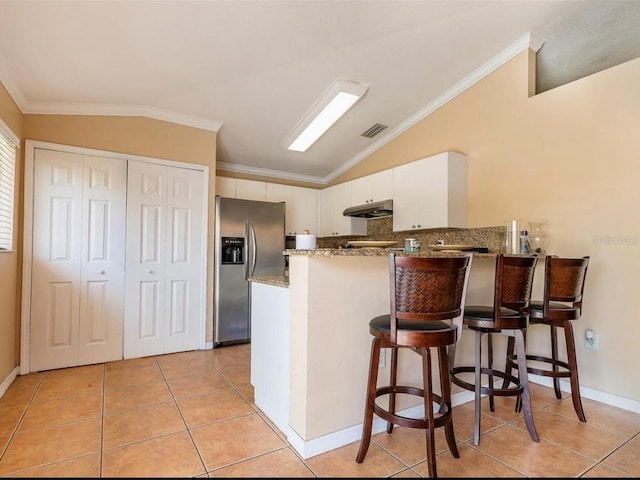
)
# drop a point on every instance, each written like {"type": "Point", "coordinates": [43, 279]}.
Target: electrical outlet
{"type": "Point", "coordinates": [383, 358]}
{"type": "Point", "coordinates": [591, 339]}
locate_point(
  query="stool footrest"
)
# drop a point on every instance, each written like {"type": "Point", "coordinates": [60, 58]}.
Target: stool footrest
{"type": "Point", "coordinates": [442, 417]}
{"type": "Point", "coordinates": [511, 359]}
{"type": "Point", "coordinates": [515, 389]}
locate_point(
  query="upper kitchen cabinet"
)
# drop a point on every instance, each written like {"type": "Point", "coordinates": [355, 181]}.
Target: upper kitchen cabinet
{"type": "Point", "coordinates": [241, 188]}
{"type": "Point", "coordinates": [431, 193]}
{"type": "Point", "coordinates": [301, 211]}
{"type": "Point", "coordinates": [372, 188]}
{"type": "Point", "coordinates": [226, 187]}
{"type": "Point", "coordinates": [333, 201]}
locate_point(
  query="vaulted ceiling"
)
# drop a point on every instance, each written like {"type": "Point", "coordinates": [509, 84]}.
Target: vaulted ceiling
{"type": "Point", "coordinates": [251, 69]}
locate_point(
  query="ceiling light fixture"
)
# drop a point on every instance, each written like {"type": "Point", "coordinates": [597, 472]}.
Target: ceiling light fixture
{"type": "Point", "coordinates": [335, 102]}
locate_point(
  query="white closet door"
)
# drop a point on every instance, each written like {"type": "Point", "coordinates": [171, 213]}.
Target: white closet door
{"type": "Point", "coordinates": [71, 312]}
{"type": "Point", "coordinates": [102, 266]}
{"type": "Point", "coordinates": [164, 260]}
{"type": "Point", "coordinates": [183, 301]}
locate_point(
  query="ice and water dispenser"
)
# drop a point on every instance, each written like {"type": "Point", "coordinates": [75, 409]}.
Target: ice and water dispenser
{"type": "Point", "coordinates": [232, 250]}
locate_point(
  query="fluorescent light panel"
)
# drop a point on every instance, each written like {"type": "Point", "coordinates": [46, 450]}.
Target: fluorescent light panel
{"type": "Point", "coordinates": [339, 98]}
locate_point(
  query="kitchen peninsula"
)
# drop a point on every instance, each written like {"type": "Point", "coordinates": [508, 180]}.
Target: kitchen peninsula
{"type": "Point", "coordinates": [311, 342]}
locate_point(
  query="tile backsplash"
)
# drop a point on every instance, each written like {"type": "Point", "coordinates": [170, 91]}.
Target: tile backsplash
{"type": "Point", "coordinates": [382, 229]}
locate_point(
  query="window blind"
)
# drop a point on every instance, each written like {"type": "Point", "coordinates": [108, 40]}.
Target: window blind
{"type": "Point", "coordinates": [7, 177]}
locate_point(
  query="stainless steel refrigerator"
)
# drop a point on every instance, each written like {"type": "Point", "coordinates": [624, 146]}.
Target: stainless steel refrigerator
{"type": "Point", "coordinates": [249, 240]}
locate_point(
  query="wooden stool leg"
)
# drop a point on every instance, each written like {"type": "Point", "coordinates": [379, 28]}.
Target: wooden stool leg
{"type": "Point", "coordinates": [573, 367]}
{"type": "Point", "coordinates": [554, 357]}
{"type": "Point", "coordinates": [445, 387]}
{"type": "Point", "coordinates": [478, 384]}
{"type": "Point", "coordinates": [524, 382]}
{"type": "Point", "coordinates": [429, 417]}
{"type": "Point", "coordinates": [393, 382]}
{"type": "Point", "coordinates": [367, 424]}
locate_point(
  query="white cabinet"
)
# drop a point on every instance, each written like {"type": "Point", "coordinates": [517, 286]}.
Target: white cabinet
{"type": "Point", "coordinates": [241, 188]}
{"type": "Point", "coordinates": [372, 188]}
{"type": "Point", "coordinates": [226, 187]}
{"type": "Point", "coordinates": [333, 201]}
{"type": "Point", "coordinates": [301, 212]}
{"type": "Point", "coordinates": [430, 193]}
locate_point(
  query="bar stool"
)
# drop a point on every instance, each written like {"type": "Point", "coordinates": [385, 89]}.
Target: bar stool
{"type": "Point", "coordinates": [562, 303]}
{"type": "Point", "coordinates": [426, 292]}
{"type": "Point", "coordinates": [508, 315]}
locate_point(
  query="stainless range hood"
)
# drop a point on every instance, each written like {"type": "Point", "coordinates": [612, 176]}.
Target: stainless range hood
{"type": "Point", "coordinates": [380, 209]}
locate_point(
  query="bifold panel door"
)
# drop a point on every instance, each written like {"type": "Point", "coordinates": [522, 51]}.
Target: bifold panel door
{"type": "Point", "coordinates": [77, 295]}
{"type": "Point", "coordinates": [163, 303]}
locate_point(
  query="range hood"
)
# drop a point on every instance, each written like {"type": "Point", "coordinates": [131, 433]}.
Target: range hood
{"type": "Point", "coordinates": [380, 209]}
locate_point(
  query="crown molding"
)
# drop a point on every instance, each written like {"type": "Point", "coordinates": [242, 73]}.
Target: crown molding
{"type": "Point", "coordinates": [46, 108]}
{"type": "Point", "coordinates": [264, 172]}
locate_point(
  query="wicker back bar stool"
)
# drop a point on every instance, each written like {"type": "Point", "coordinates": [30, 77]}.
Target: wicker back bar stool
{"type": "Point", "coordinates": [564, 281]}
{"type": "Point", "coordinates": [508, 315]}
{"type": "Point", "coordinates": [426, 292]}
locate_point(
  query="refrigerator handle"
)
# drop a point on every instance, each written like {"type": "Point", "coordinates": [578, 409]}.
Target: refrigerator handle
{"type": "Point", "coordinates": [247, 250]}
{"type": "Point", "coordinates": [254, 248]}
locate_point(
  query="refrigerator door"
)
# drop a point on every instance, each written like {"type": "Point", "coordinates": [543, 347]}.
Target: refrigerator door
{"type": "Point", "coordinates": [266, 239]}
{"type": "Point", "coordinates": [261, 226]}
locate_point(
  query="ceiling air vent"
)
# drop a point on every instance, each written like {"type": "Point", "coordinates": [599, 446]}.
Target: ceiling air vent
{"type": "Point", "coordinates": [373, 130]}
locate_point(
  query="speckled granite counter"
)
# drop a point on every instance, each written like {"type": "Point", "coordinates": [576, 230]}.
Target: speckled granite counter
{"type": "Point", "coordinates": [274, 280]}
{"type": "Point", "coordinates": [375, 252]}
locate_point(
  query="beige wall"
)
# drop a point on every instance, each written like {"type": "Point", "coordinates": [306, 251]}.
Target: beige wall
{"type": "Point", "coordinates": [10, 262]}
{"type": "Point", "coordinates": [568, 157]}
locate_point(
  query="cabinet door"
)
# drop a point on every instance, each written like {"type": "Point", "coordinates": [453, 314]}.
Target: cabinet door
{"type": "Point", "coordinates": [431, 193]}
{"type": "Point", "coordinates": [406, 183]}
{"type": "Point", "coordinates": [327, 201]}
{"type": "Point", "coordinates": [381, 185]}
{"type": "Point", "coordinates": [342, 224]}
{"type": "Point", "coordinates": [372, 188]}
{"type": "Point", "coordinates": [251, 190]}
{"type": "Point", "coordinates": [305, 210]}
{"type": "Point", "coordinates": [226, 187]}
{"type": "Point", "coordinates": [283, 193]}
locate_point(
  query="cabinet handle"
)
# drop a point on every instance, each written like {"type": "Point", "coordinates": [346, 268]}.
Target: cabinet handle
{"type": "Point", "coordinates": [419, 225]}
{"type": "Point", "coordinates": [101, 272]}
{"type": "Point", "coordinates": [149, 271]}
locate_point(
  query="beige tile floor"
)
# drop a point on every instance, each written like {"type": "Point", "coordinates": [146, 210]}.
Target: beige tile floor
{"type": "Point", "coordinates": [192, 415]}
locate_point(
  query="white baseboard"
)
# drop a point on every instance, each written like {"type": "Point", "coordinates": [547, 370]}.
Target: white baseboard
{"type": "Point", "coordinates": [4, 386]}
{"type": "Point", "coordinates": [316, 446]}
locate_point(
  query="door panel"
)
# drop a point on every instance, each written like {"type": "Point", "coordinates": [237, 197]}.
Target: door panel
{"type": "Point", "coordinates": [102, 266]}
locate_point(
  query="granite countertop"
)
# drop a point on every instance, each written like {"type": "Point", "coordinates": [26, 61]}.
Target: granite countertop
{"type": "Point", "coordinates": [376, 252]}
{"type": "Point", "coordinates": [274, 280]}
